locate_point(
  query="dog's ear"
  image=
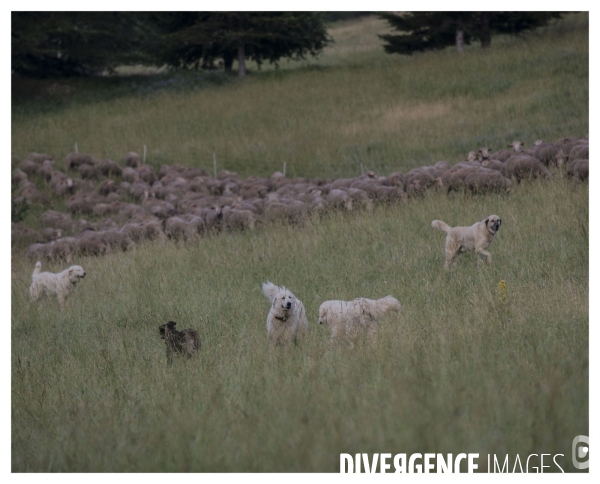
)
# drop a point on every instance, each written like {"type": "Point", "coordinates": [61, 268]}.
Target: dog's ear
{"type": "Point", "coordinates": [486, 221]}
{"type": "Point", "coordinates": [171, 325]}
{"type": "Point", "coordinates": [161, 329]}
{"type": "Point", "coordinates": [270, 290]}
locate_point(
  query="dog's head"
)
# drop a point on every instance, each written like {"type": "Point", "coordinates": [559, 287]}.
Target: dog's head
{"type": "Point", "coordinates": [282, 300]}
{"type": "Point", "coordinates": [493, 223]}
{"type": "Point", "coordinates": [76, 273]}
{"type": "Point", "coordinates": [324, 309]}
{"type": "Point", "coordinates": [166, 328]}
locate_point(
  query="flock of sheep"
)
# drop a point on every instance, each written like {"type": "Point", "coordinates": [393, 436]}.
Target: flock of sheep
{"type": "Point", "coordinates": [135, 203]}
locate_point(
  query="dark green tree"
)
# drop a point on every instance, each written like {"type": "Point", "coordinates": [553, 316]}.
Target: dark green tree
{"type": "Point", "coordinates": [50, 44]}
{"type": "Point", "coordinates": [215, 39]}
{"type": "Point", "coordinates": [421, 31]}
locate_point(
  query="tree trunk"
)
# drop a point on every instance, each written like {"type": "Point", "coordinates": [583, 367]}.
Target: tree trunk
{"type": "Point", "coordinates": [486, 34]}
{"type": "Point", "coordinates": [241, 59]}
{"type": "Point", "coordinates": [460, 40]}
{"type": "Point", "coordinates": [228, 62]}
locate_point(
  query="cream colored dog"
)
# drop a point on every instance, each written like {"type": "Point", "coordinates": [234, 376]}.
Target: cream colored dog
{"type": "Point", "coordinates": [287, 317]}
{"type": "Point", "coordinates": [353, 317]}
{"type": "Point", "coordinates": [477, 237]}
{"type": "Point", "coordinates": [59, 285]}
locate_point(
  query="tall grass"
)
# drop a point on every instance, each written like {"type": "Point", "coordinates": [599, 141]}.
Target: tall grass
{"type": "Point", "coordinates": [459, 370]}
{"type": "Point", "coordinates": [325, 117]}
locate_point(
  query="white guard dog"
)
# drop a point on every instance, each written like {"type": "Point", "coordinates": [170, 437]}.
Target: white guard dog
{"type": "Point", "coordinates": [353, 317]}
{"type": "Point", "coordinates": [287, 317]}
{"type": "Point", "coordinates": [59, 285]}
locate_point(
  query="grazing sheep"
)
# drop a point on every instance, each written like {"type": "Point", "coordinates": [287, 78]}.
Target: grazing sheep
{"type": "Point", "coordinates": [525, 166]}
{"type": "Point", "coordinates": [549, 154]}
{"type": "Point", "coordinates": [91, 243]}
{"type": "Point", "coordinates": [339, 199]}
{"type": "Point", "coordinates": [504, 155]}
{"type": "Point", "coordinates": [484, 181]}
{"type": "Point", "coordinates": [29, 167]}
{"type": "Point", "coordinates": [360, 198]}
{"type": "Point", "coordinates": [110, 167]}
{"type": "Point", "coordinates": [29, 192]}
{"type": "Point", "coordinates": [88, 172]}
{"type": "Point", "coordinates": [238, 219]}
{"type": "Point", "coordinates": [46, 170]}
{"type": "Point", "coordinates": [75, 160]}
{"type": "Point", "coordinates": [19, 234]}
{"type": "Point", "coordinates": [579, 170]}
{"type": "Point", "coordinates": [130, 175]}
{"type": "Point", "coordinates": [147, 173]}
{"type": "Point", "coordinates": [56, 220]}
{"type": "Point", "coordinates": [133, 160]}
{"type": "Point", "coordinates": [397, 179]}
{"type": "Point", "coordinates": [39, 158]}
{"type": "Point", "coordinates": [179, 229]}
{"type": "Point", "coordinates": [580, 151]}
{"type": "Point", "coordinates": [62, 185]}
{"type": "Point", "coordinates": [18, 178]}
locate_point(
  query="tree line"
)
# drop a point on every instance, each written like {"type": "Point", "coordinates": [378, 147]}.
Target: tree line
{"type": "Point", "coordinates": [60, 44]}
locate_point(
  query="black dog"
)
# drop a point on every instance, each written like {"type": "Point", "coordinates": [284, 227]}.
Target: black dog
{"type": "Point", "coordinates": [186, 342]}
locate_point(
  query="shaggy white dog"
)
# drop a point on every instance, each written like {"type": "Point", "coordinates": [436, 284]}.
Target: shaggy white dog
{"type": "Point", "coordinates": [287, 317]}
{"type": "Point", "coordinates": [59, 285]}
{"type": "Point", "coordinates": [353, 317]}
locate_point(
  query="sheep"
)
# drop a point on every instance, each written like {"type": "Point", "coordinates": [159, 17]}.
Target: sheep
{"type": "Point", "coordinates": [484, 181]}
{"type": "Point", "coordinates": [147, 174]}
{"type": "Point", "coordinates": [580, 151]}
{"type": "Point", "coordinates": [130, 175]}
{"type": "Point", "coordinates": [360, 198]}
{"type": "Point", "coordinates": [56, 220]}
{"type": "Point", "coordinates": [389, 194]}
{"type": "Point", "coordinates": [62, 185]}
{"type": "Point", "coordinates": [495, 165]}
{"type": "Point", "coordinates": [18, 177]}
{"type": "Point", "coordinates": [49, 234]}
{"type": "Point", "coordinates": [453, 179]}
{"type": "Point", "coordinates": [339, 199]}
{"type": "Point", "coordinates": [179, 229]}
{"type": "Point", "coordinates": [19, 234]}
{"type": "Point", "coordinates": [578, 169]}
{"type": "Point", "coordinates": [133, 160]}
{"type": "Point", "coordinates": [46, 170]}
{"type": "Point", "coordinates": [396, 179]}
{"type": "Point", "coordinates": [549, 154]}
{"type": "Point", "coordinates": [75, 160]}
{"type": "Point", "coordinates": [525, 166]}
{"type": "Point", "coordinates": [91, 243]}
{"type": "Point", "coordinates": [108, 186]}
{"type": "Point", "coordinates": [139, 190]}
{"type": "Point", "coordinates": [419, 180]}
{"type": "Point", "coordinates": [504, 155]}
{"type": "Point", "coordinates": [39, 158]}
{"type": "Point", "coordinates": [238, 219]}
{"type": "Point", "coordinates": [110, 167]}
{"type": "Point", "coordinates": [88, 172]}
{"type": "Point", "coordinates": [30, 192]}
{"type": "Point", "coordinates": [29, 167]}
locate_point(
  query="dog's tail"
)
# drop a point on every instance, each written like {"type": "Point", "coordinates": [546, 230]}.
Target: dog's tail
{"type": "Point", "coordinates": [438, 224]}
{"type": "Point", "coordinates": [385, 305]}
{"type": "Point", "coordinates": [270, 290]}
{"type": "Point", "coordinates": [38, 269]}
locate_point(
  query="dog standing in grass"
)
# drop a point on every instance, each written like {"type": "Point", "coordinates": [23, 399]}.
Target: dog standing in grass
{"type": "Point", "coordinates": [50, 284]}
{"type": "Point", "coordinates": [186, 342]}
{"type": "Point", "coordinates": [477, 237]}
{"type": "Point", "coordinates": [359, 316]}
{"type": "Point", "coordinates": [287, 317]}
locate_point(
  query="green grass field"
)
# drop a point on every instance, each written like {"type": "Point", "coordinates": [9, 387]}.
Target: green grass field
{"type": "Point", "coordinates": [460, 369]}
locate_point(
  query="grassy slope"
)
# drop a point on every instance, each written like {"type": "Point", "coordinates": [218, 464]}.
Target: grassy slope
{"type": "Point", "coordinates": [326, 117]}
{"type": "Point", "coordinates": [456, 371]}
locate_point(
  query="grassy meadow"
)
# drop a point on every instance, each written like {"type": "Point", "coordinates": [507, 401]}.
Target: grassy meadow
{"type": "Point", "coordinates": [462, 368]}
